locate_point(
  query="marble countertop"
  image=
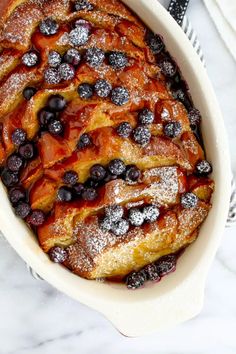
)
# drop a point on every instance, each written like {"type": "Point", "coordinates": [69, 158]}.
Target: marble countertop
{"type": "Point", "coordinates": [37, 319]}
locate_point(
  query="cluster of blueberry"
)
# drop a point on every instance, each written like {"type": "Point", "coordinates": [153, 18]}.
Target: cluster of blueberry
{"type": "Point", "coordinates": [48, 116]}
{"type": "Point", "coordinates": [15, 162]}
{"type": "Point", "coordinates": [99, 175]}
{"type": "Point", "coordinates": [62, 68]}
{"type": "Point", "coordinates": [25, 151]}
{"type": "Point", "coordinates": [115, 222]}
{"type": "Point", "coordinates": [141, 134]}
{"type": "Point", "coordinates": [165, 63]}
{"type": "Point", "coordinates": [119, 95]}
{"type": "Point", "coordinates": [153, 272]}
{"type": "Point", "coordinates": [178, 87]}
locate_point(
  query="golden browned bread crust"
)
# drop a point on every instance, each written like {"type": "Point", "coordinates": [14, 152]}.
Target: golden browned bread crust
{"type": "Point", "coordinates": [167, 164]}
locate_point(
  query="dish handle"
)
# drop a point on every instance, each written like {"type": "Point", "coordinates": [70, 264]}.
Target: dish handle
{"type": "Point", "coordinates": [143, 317]}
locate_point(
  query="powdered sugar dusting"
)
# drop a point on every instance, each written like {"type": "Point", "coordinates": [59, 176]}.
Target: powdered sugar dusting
{"type": "Point", "coordinates": [63, 40]}
{"type": "Point", "coordinates": [93, 239]}
{"type": "Point", "coordinates": [166, 191]}
{"type": "Point", "coordinates": [78, 260]}
{"type": "Point", "coordinates": [191, 146]}
{"type": "Point", "coordinates": [165, 114]}
{"type": "Point", "coordinates": [135, 204]}
{"type": "Point", "coordinates": [190, 219]}
{"type": "Point", "coordinates": [15, 83]}
{"type": "Point", "coordinates": [24, 24]}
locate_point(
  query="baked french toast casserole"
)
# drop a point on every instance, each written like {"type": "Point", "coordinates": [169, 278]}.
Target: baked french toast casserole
{"type": "Point", "coordinates": [101, 151]}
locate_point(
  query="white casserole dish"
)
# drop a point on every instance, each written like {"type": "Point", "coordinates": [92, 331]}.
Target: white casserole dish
{"type": "Point", "coordinates": [179, 296]}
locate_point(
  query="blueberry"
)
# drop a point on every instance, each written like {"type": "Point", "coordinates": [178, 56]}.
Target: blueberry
{"type": "Point", "coordinates": [116, 167]}
{"type": "Point", "coordinates": [109, 177]}
{"type": "Point", "coordinates": [79, 36]}
{"type": "Point", "coordinates": [58, 254]}
{"type": "Point", "coordinates": [120, 96]}
{"type": "Point", "coordinates": [118, 60]}
{"type": "Point", "coordinates": [66, 71]}
{"type": "Point", "coordinates": [181, 95]}
{"type": "Point", "coordinates": [168, 68]}
{"type": "Point", "coordinates": [124, 130]}
{"type": "Point", "coordinates": [95, 57]}
{"type": "Point", "coordinates": [166, 265]}
{"type": "Point", "coordinates": [27, 151]}
{"type": "Point", "coordinates": [114, 212]}
{"type": "Point", "coordinates": [189, 200]}
{"type": "Point", "coordinates": [91, 183]}
{"type": "Point", "coordinates": [142, 135]}
{"type": "Point", "coordinates": [151, 213]}
{"type": "Point", "coordinates": [136, 217]}
{"type": "Point", "coordinates": [83, 5]}
{"type": "Point", "coordinates": [194, 116]}
{"type": "Point", "coordinates": [22, 210]}
{"type": "Point", "coordinates": [85, 91]}
{"type": "Point", "coordinates": [55, 127]}
{"type": "Point", "coordinates": [136, 279]}
{"type": "Point", "coordinates": [18, 136]}
{"type": "Point", "coordinates": [132, 173]}
{"type": "Point", "coordinates": [97, 172]}
{"type": "Point", "coordinates": [103, 88]}
{"type": "Point", "coordinates": [89, 194]}
{"type": "Point", "coordinates": [78, 188]}
{"type": "Point", "coordinates": [29, 92]}
{"type": "Point", "coordinates": [84, 23]}
{"type": "Point", "coordinates": [36, 218]}
{"type": "Point", "coordinates": [64, 194]}
{"type": "Point", "coordinates": [52, 76]}
{"type": "Point", "coordinates": [146, 116]}
{"type": "Point", "coordinates": [203, 168]}
{"type": "Point", "coordinates": [44, 117]}
{"type": "Point", "coordinates": [48, 27]}
{"type": "Point", "coordinates": [54, 59]}
{"type": "Point", "coordinates": [106, 224]}
{"type": "Point", "coordinates": [70, 177]}
{"type": "Point", "coordinates": [120, 227]}
{"type": "Point", "coordinates": [56, 103]}
{"type": "Point", "coordinates": [16, 195]}
{"type": "Point", "coordinates": [178, 93]}
{"type": "Point", "coordinates": [30, 59]}
{"type": "Point", "coordinates": [84, 141]}
{"type": "Point", "coordinates": [72, 56]}
{"type": "Point", "coordinates": [14, 163]}
{"type": "Point", "coordinates": [9, 178]}
{"type": "Point", "coordinates": [151, 272]}
{"type": "Point", "coordinates": [154, 42]}
{"type": "Point", "coordinates": [172, 129]}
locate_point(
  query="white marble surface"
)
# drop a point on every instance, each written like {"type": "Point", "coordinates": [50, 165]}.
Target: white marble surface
{"type": "Point", "coordinates": [36, 319]}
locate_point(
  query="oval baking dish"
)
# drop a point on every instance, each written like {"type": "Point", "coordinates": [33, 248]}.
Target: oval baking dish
{"type": "Point", "coordinates": [179, 296]}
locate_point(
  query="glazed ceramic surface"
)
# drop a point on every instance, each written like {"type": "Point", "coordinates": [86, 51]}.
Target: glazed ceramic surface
{"type": "Point", "coordinates": [179, 296]}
